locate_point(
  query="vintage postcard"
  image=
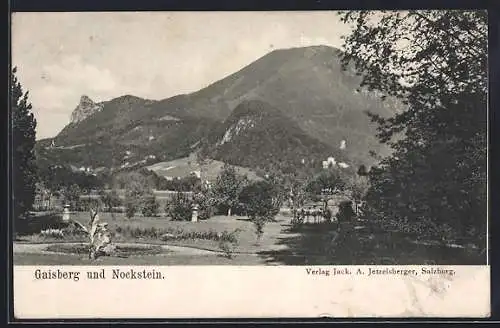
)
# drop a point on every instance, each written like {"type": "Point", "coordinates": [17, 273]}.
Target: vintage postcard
{"type": "Point", "coordinates": [297, 164]}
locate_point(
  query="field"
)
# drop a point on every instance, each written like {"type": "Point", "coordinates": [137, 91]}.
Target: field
{"type": "Point", "coordinates": [196, 244]}
{"type": "Point", "coordinates": [182, 167]}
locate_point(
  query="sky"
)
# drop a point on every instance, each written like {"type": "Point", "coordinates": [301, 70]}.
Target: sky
{"type": "Point", "coordinates": [154, 55]}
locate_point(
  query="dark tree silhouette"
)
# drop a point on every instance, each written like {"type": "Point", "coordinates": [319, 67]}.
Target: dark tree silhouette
{"type": "Point", "coordinates": [24, 172]}
{"type": "Point", "coordinates": [436, 62]}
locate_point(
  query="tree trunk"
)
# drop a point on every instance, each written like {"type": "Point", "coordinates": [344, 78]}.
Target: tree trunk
{"type": "Point", "coordinates": [229, 211]}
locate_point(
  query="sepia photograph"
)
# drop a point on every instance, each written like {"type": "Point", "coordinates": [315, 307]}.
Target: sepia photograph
{"type": "Point", "coordinates": [249, 139]}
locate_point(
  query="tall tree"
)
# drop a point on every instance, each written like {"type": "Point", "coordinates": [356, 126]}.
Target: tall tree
{"type": "Point", "coordinates": [435, 61]}
{"type": "Point", "coordinates": [23, 143]}
{"type": "Point", "coordinates": [227, 187]}
{"type": "Point", "coordinates": [257, 198]}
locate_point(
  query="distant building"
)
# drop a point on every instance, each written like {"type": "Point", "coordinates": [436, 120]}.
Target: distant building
{"type": "Point", "coordinates": [343, 144]}
{"type": "Point", "coordinates": [196, 173]}
{"type": "Point", "coordinates": [325, 164]}
{"type": "Point", "coordinates": [343, 165]}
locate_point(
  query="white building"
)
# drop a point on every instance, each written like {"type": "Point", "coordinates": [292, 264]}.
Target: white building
{"type": "Point", "coordinates": [343, 165]}
{"type": "Point", "coordinates": [325, 164]}
{"type": "Point", "coordinates": [343, 144]}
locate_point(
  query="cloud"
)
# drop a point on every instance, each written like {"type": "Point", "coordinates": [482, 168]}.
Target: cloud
{"type": "Point", "coordinates": [148, 54]}
{"type": "Point", "coordinates": [73, 72]}
{"type": "Point", "coordinates": [56, 88]}
{"type": "Point", "coordinates": [60, 84]}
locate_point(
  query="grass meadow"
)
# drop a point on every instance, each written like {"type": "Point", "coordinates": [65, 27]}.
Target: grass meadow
{"type": "Point", "coordinates": [281, 243]}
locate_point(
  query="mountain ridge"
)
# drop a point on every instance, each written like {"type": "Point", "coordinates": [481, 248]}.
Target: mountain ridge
{"type": "Point", "coordinates": [306, 85]}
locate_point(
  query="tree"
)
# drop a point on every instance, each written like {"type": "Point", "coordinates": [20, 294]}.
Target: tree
{"type": "Point", "coordinates": [180, 208]}
{"type": "Point", "coordinates": [150, 206]}
{"type": "Point", "coordinates": [110, 199]}
{"type": "Point", "coordinates": [136, 189]}
{"type": "Point", "coordinates": [72, 195]}
{"type": "Point", "coordinates": [258, 201]}
{"type": "Point", "coordinates": [24, 172]}
{"type": "Point", "coordinates": [362, 171]}
{"type": "Point", "coordinates": [328, 181]}
{"type": "Point", "coordinates": [358, 186]}
{"type": "Point", "coordinates": [435, 62]}
{"type": "Point", "coordinates": [227, 187]}
{"type": "Point", "coordinates": [130, 206]}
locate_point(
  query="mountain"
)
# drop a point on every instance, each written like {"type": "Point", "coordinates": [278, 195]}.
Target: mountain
{"type": "Point", "coordinates": [257, 135]}
{"type": "Point", "coordinates": [311, 104]}
{"type": "Point", "coordinates": [309, 86]}
{"type": "Point", "coordinates": [85, 108]}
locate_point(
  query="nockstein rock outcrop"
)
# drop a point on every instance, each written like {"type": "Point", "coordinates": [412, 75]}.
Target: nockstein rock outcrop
{"type": "Point", "coordinates": [85, 108]}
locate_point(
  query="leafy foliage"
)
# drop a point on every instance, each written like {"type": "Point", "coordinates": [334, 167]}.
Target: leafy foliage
{"type": "Point", "coordinates": [23, 156]}
{"type": "Point", "coordinates": [71, 195]}
{"type": "Point", "coordinates": [180, 207]}
{"type": "Point", "coordinates": [258, 201]}
{"type": "Point", "coordinates": [345, 213]}
{"type": "Point", "coordinates": [227, 188]}
{"type": "Point", "coordinates": [130, 206]}
{"type": "Point", "coordinates": [327, 180]}
{"type": "Point", "coordinates": [362, 171]}
{"type": "Point", "coordinates": [110, 199]}
{"type": "Point", "coordinates": [436, 61]}
{"type": "Point", "coordinates": [277, 142]}
{"type": "Point", "coordinates": [150, 206]}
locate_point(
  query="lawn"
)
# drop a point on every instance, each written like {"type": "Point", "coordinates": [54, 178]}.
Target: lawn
{"type": "Point", "coordinates": [219, 224]}
{"type": "Point", "coordinates": [313, 244]}
{"type": "Point", "coordinates": [135, 230]}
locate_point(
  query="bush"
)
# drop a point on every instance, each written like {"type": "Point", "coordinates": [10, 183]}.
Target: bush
{"type": "Point", "coordinates": [258, 200]}
{"type": "Point", "coordinates": [346, 213]}
{"type": "Point", "coordinates": [259, 223]}
{"type": "Point", "coordinates": [180, 207]}
{"type": "Point", "coordinates": [327, 215]}
{"type": "Point", "coordinates": [150, 206]}
{"type": "Point", "coordinates": [228, 242]}
{"type": "Point", "coordinates": [130, 208]}
{"type": "Point", "coordinates": [110, 200]}
{"type": "Point", "coordinates": [206, 206]}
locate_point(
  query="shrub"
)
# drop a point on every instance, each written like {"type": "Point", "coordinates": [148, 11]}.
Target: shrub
{"type": "Point", "coordinates": [259, 223]}
{"type": "Point", "coordinates": [180, 207]}
{"type": "Point", "coordinates": [346, 213]}
{"type": "Point", "coordinates": [327, 215]}
{"type": "Point", "coordinates": [227, 247]}
{"type": "Point", "coordinates": [258, 200]}
{"type": "Point", "coordinates": [206, 206]}
{"type": "Point", "coordinates": [150, 206]}
{"type": "Point", "coordinates": [130, 208]}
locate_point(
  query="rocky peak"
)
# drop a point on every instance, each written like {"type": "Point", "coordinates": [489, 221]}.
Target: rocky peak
{"type": "Point", "coordinates": [85, 108]}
